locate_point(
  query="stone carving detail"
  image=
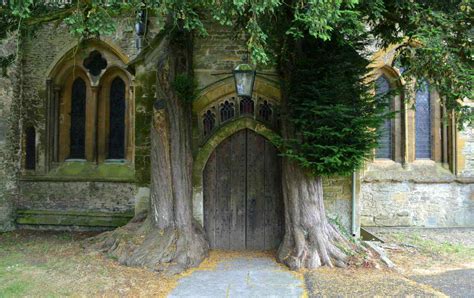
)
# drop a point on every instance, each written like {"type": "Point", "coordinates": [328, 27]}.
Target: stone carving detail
{"type": "Point", "coordinates": [95, 63]}
{"type": "Point", "coordinates": [227, 111]}
{"type": "Point", "coordinates": [208, 121]}
{"type": "Point", "coordinates": [265, 111]}
{"type": "Point", "coordinates": [230, 108]}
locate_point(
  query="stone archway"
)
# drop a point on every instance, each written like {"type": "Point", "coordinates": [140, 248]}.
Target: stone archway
{"type": "Point", "coordinates": [242, 195]}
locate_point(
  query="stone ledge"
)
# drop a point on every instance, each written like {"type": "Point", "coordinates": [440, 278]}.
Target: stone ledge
{"type": "Point", "coordinates": [73, 218]}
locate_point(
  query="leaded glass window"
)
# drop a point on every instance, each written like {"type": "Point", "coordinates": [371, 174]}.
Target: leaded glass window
{"type": "Point", "coordinates": [227, 111]}
{"type": "Point", "coordinates": [78, 119]}
{"type": "Point", "coordinates": [30, 148]}
{"type": "Point", "coordinates": [384, 149]}
{"type": "Point", "coordinates": [208, 121]}
{"type": "Point", "coordinates": [246, 106]}
{"type": "Point", "coordinates": [117, 119]}
{"type": "Point", "coordinates": [423, 121]}
{"type": "Point", "coordinates": [265, 111]}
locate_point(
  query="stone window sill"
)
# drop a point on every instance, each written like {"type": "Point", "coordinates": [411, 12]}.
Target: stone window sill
{"type": "Point", "coordinates": [419, 171]}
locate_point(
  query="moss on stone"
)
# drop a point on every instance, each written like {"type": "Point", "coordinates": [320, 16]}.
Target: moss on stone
{"type": "Point", "coordinates": [80, 171]}
{"type": "Point", "coordinates": [72, 218]}
{"type": "Point", "coordinates": [144, 99]}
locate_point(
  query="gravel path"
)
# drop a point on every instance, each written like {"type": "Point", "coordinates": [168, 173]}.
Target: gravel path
{"type": "Point", "coordinates": [456, 283]}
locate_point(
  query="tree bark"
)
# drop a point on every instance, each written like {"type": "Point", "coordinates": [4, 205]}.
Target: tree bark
{"type": "Point", "coordinates": [310, 241]}
{"type": "Point", "coordinates": [167, 238]}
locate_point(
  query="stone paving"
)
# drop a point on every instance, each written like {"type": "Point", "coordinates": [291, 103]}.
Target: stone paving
{"type": "Point", "coordinates": [241, 277]}
{"type": "Point", "coordinates": [455, 283]}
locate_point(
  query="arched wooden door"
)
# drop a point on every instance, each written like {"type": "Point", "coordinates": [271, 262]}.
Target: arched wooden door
{"type": "Point", "coordinates": [243, 204]}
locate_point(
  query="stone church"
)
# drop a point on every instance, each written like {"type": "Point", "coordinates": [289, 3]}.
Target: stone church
{"type": "Point", "coordinates": [75, 146]}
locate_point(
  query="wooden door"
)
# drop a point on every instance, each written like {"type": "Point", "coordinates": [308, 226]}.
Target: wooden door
{"type": "Point", "coordinates": [243, 205]}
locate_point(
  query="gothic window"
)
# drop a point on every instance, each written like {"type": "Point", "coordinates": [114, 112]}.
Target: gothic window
{"type": "Point", "coordinates": [208, 122]}
{"type": "Point", "coordinates": [117, 119]}
{"type": "Point", "coordinates": [30, 148]}
{"type": "Point", "coordinates": [246, 106]}
{"type": "Point", "coordinates": [423, 122]}
{"type": "Point", "coordinates": [78, 119]}
{"type": "Point", "coordinates": [265, 112]}
{"type": "Point", "coordinates": [227, 111]}
{"type": "Point", "coordinates": [95, 63]}
{"type": "Point", "coordinates": [384, 149]}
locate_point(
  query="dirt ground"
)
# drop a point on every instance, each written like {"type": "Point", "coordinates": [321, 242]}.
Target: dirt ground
{"type": "Point", "coordinates": [44, 264]}
{"type": "Point", "coordinates": [429, 262]}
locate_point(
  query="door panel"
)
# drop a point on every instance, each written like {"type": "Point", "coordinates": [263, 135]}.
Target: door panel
{"type": "Point", "coordinates": [243, 206]}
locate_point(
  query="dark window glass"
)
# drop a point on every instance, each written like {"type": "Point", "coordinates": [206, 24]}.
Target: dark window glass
{"type": "Point", "coordinates": [423, 121]}
{"type": "Point", "coordinates": [30, 148]}
{"type": "Point", "coordinates": [95, 63]}
{"type": "Point", "coordinates": [384, 149]}
{"type": "Point", "coordinates": [208, 122]}
{"type": "Point", "coordinates": [227, 111]}
{"type": "Point", "coordinates": [265, 111]}
{"type": "Point", "coordinates": [246, 106]}
{"type": "Point", "coordinates": [117, 119]}
{"type": "Point", "coordinates": [78, 119]}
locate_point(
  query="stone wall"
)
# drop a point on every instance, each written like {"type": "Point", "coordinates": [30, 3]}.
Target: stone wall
{"type": "Point", "coordinates": [424, 194]}
{"type": "Point", "coordinates": [9, 75]}
{"type": "Point", "coordinates": [86, 192]}
{"type": "Point", "coordinates": [417, 204]}
{"type": "Point", "coordinates": [338, 201]}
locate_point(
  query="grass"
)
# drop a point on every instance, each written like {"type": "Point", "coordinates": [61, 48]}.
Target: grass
{"type": "Point", "coordinates": [435, 248]}
{"type": "Point", "coordinates": [54, 264]}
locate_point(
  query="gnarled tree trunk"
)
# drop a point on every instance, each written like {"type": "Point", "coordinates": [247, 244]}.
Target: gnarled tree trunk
{"type": "Point", "coordinates": [167, 238]}
{"type": "Point", "coordinates": [310, 240]}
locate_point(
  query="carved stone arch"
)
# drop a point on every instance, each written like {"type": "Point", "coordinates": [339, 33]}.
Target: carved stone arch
{"type": "Point", "coordinates": [74, 52]}
{"type": "Point", "coordinates": [205, 151]}
{"type": "Point", "coordinates": [226, 87]}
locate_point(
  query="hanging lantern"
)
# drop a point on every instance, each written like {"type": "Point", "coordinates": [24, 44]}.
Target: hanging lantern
{"type": "Point", "coordinates": [244, 76]}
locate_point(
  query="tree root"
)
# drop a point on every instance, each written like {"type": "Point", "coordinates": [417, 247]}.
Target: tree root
{"type": "Point", "coordinates": [140, 244]}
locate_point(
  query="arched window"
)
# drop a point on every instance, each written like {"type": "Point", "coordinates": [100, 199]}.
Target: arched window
{"type": "Point", "coordinates": [30, 148]}
{"type": "Point", "coordinates": [117, 119]}
{"type": "Point", "coordinates": [423, 121]}
{"type": "Point", "coordinates": [246, 106]}
{"type": "Point", "coordinates": [227, 111]}
{"type": "Point", "coordinates": [384, 149]}
{"type": "Point", "coordinates": [90, 108]}
{"type": "Point", "coordinates": [208, 121]}
{"type": "Point", "coordinates": [78, 119]}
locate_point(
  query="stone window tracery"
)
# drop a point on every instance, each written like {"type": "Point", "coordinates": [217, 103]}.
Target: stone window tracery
{"type": "Point", "coordinates": [265, 111]}
{"type": "Point", "coordinates": [208, 122]}
{"type": "Point", "coordinates": [227, 111]}
{"type": "Point", "coordinates": [90, 110]}
{"type": "Point", "coordinates": [246, 106]}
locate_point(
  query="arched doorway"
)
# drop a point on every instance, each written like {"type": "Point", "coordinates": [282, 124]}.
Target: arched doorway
{"type": "Point", "coordinates": [243, 204]}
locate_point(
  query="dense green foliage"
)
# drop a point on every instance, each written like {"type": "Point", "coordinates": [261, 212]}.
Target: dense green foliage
{"type": "Point", "coordinates": [334, 114]}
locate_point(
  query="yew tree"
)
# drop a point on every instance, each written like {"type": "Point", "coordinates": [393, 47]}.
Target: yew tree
{"type": "Point", "coordinates": [331, 118]}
